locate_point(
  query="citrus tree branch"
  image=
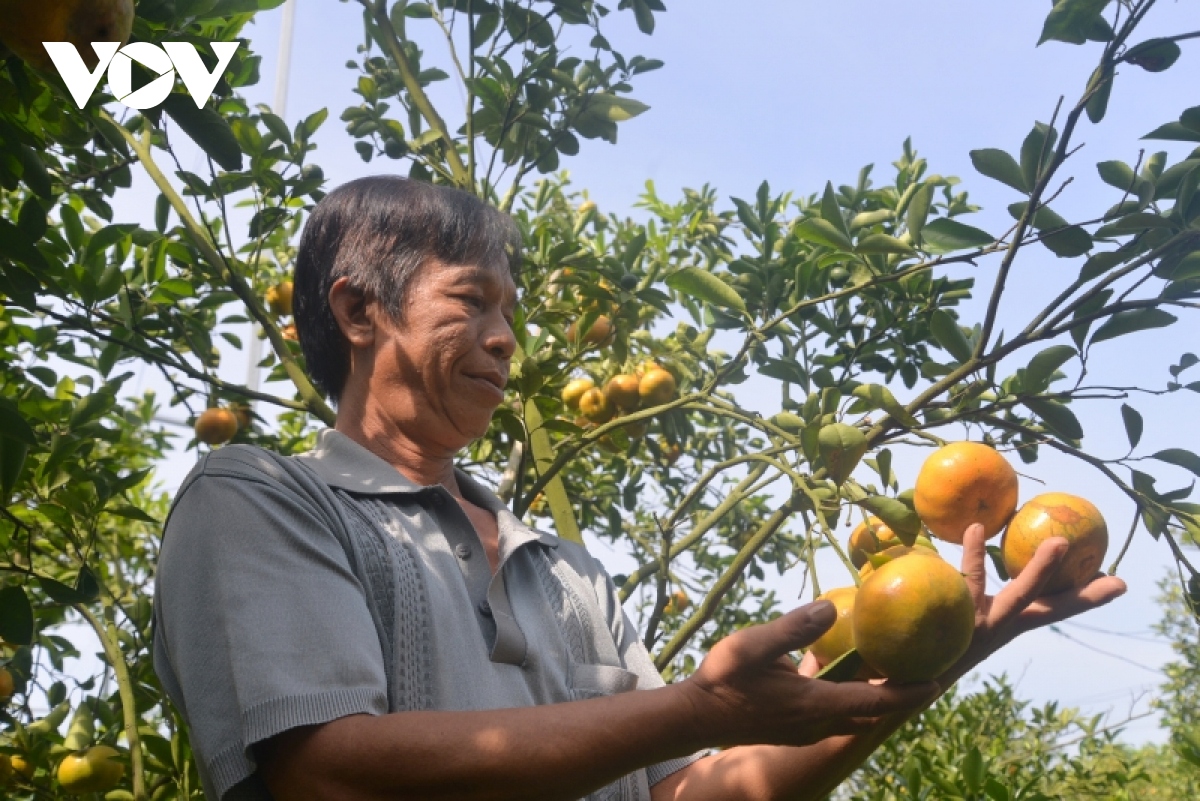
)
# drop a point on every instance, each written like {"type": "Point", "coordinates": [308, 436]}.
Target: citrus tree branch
{"type": "Point", "coordinates": [112, 651]}
{"type": "Point", "coordinates": [312, 399]}
{"type": "Point", "coordinates": [379, 13]}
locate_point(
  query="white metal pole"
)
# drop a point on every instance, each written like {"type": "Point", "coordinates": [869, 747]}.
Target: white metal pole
{"type": "Point", "coordinates": [283, 68]}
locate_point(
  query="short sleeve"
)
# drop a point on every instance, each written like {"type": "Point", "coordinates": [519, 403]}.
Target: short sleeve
{"type": "Point", "coordinates": [260, 623]}
{"type": "Point", "coordinates": [635, 658]}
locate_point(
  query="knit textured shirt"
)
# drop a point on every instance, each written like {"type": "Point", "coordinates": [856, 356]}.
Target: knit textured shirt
{"type": "Point", "coordinates": [292, 591]}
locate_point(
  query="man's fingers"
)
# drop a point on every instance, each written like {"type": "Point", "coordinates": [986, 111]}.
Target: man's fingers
{"type": "Point", "coordinates": [784, 634]}
{"type": "Point", "coordinates": [974, 560]}
{"type": "Point", "coordinates": [1027, 587]}
{"type": "Point", "coordinates": [858, 699]}
{"type": "Point", "coordinates": [1053, 608]}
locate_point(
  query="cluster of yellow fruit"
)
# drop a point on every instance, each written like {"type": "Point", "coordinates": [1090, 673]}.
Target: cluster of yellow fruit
{"type": "Point", "coordinates": [652, 385]}
{"type": "Point", "coordinates": [913, 616]}
{"type": "Point", "coordinates": [279, 301]}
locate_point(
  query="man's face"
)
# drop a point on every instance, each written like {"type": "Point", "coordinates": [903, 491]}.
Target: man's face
{"type": "Point", "coordinates": [440, 372]}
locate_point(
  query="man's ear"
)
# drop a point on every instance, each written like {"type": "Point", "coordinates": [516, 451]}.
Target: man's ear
{"type": "Point", "coordinates": [351, 309]}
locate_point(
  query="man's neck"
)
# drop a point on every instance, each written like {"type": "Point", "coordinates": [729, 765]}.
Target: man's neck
{"type": "Point", "coordinates": [414, 462]}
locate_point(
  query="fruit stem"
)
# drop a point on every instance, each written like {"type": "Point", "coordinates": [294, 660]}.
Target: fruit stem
{"type": "Point", "coordinates": [708, 607]}
{"type": "Point", "coordinates": [1137, 513]}
{"type": "Point", "coordinates": [112, 651]}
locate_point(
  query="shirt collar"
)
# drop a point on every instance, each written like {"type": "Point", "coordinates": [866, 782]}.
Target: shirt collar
{"type": "Point", "coordinates": [343, 463]}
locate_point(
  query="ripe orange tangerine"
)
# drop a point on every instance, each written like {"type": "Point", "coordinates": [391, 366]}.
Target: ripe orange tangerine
{"type": "Point", "coordinates": [622, 390]}
{"type": "Point", "coordinates": [840, 637]}
{"type": "Point", "coordinates": [1057, 514]}
{"type": "Point", "coordinates": [871, 536]}
{"type": "Point", "coordinates": [913, 617]}
{"type": "Point", "coordinates": [964, 483]}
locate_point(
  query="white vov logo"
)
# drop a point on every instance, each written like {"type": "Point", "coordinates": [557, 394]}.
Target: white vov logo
{"type": "Point", "coordinates": [172, 57]}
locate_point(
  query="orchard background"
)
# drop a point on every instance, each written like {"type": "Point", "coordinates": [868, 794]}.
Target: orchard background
{"type": "Point", "coordinates": [135, 252]}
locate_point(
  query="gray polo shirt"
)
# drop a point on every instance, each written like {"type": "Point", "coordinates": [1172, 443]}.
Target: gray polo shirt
{"type": "Point", "coordinates": [293, 591]}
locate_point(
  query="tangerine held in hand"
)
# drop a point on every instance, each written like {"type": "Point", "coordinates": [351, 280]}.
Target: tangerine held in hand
{"type": "Point", "coordinates": [1057, 514]}
{"type": "Point", "coordinates": [913, 617]}
{"type": "Point", "coordinates": [964, 483]}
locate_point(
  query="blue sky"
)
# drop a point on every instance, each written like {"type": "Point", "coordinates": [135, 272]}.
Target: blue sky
{"type": "Point", "coordinates": [802, 92]}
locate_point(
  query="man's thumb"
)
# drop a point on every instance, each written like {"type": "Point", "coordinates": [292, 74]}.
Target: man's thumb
{"type": "Point", "coordinates": [796, 629]}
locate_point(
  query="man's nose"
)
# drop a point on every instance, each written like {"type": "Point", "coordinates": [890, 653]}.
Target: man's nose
{"type": "Point", "coordinates": [499, 339]}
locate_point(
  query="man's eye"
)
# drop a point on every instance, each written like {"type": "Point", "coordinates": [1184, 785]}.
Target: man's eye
{"type": "Point", "coordinates": [472, 300]}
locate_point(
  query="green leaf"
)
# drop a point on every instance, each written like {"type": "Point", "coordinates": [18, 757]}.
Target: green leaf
{"type": "Point", "coordinates": [207, 128]}
{"type": "Point", "coordinates": [945, 235]}
{"type": "Point", "coordinates": [1126, 322]}
{"type": "Point", "coordinates": [1097, 105]}
{"type": "Point", "coordinates": [823, 232]}
{"type": "Point", "coordinates": [844, 668]}
{"type": "Point", "coordinates": [644, 16]}
{"type": "Point", "coordinates": [17, 247]}
{"type": "Point", "coordinates": [614, 108]}
{"type": "Point", "coordinates": [841, 447]}
{"type": "Point", "coordinates": [1153, 55]}
{"type": "Point", "coordinates": [972, 770]}
{"type": "Point", "coordinates": [748, 217]}
{"type": "Point", "coordinates": [16, 616]}
{"type": "Point", "coordinates": [1180, 458]}
{"type": "Point", "coordinates": [1117, 174]}
{"type": "Point", "coordinates": [880, 397]}
{"type": "Point", "coordinates": [1000, 166]}
{"type": "Point", "coordinates": [1042, 366]}
{"type": "Point", "coordinates": [882, 244]}
{"type": "Point", "coordinates": [949, 336]}
{"type": "Point", "coordinates": [85, 590]}
{"type": "Point", "coordinates": [997, 557]}
{"type": "Point", "coordinates": [1036, 152]}
{"type": "Point", "coordinates": [918, 211]}
{"type": "Point", "coordinates": [12, 425]}
{"type": "Point", "coordinates": [12, 462]}
{"type": "Point", "coordinates": [1057, 417]}
{"type": "Point", "coordinates": [899, 516]}
{"type": "Point", "coordinates": [705, 286]}
{"type": "Point", "coordinates": [832, 212]}
{"type": "Point", "coordinates": [1133, 424]}
{"type": "Point", "coordinates": [1174, 132]}
{"type": "Point", "coordinates": [1073, 21]}
{"type": "Point", "coordinates": [1067, 241]}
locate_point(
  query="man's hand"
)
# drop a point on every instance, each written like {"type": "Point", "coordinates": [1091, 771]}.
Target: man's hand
{"type": "Point", "coordinates": [1020, 606]}
{"type": "Point", "coordinates": [748, 691]}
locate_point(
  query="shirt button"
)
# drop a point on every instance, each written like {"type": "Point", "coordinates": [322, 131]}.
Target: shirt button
{"type": "Point", "coordinates": [485, 608]}
{"type": "Point", "coordinates": [462, 551]}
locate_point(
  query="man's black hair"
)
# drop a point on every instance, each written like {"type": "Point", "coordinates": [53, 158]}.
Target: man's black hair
{"type": "Point", "coordinates": [377, 231]}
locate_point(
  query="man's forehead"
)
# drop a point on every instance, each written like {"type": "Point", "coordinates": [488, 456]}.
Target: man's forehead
{"type": "Point", "coordinates": [475, 275]}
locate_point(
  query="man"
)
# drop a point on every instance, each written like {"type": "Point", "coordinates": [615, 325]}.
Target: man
{"type": "Point", "coordinates": [367, 622]}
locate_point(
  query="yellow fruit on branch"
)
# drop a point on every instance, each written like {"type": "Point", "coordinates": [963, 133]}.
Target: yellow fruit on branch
{"type": "Point", "coordinates": [600, 334]}
{"type": "Point", "coordinates": [677, 603]}
{"type": "Point", "coordinates": [279, 297]}
{"type": "Point", "coordinates": [24, 25]}
{"type": "Point", "coordinates": [574, 390]}
{"type": "Point", "coordinates": [7, 686]}
{"type": "Point", "coordinates": [840, 637]}
{"type": "Point", "coordinates": [965, 483]}
{"type": "Point", "coordinates": [587, 206]}
{"type": "Point", "coordinates": [1057, 514]}
{"type": "Point", "coordinates": [290, 333]}
{"type": "Point", "coordinates": [913, 617]}
{"type": "Point", "coordinates": [622, 390]}
{"type": "Point", "coordinates": [22, 766]}
{"type": "Point", "coordinates": [656, 387]}
{"type": "Point", "coordinates": [671, 452]}
{"type": "Point", "coordinates": [216, 426]}
{"type": "Point", "coordinates": [91, 771]}
{"type": "Point", "coordinates": [594, 405]}
{"type": "Point", "coordinates": [870, 537]}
